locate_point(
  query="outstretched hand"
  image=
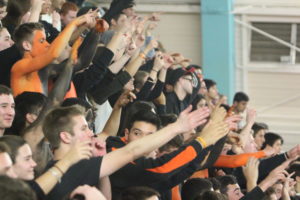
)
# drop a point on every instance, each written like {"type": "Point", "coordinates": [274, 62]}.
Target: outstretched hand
{"type": "Point", "coordinates": [125, 98]}
{"type": "Point", "coordinates": [188, 120]}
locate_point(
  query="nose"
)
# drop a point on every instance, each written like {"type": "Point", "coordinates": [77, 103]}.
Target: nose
{"type": "Point", "coordinates": [10, 111]}
{"type": "Point", "coordinates": [33, 163]}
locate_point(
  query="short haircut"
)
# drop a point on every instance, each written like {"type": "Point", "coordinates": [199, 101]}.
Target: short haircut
{"type": "Point", "coordinates": [139, 79]}
{"type": "Point", "coordinates": [215, 182]}
{"type": "Point", "coordinates": [209, 83]}
{"type": "Point", "coordinates": [144, 116]}
{"type": "Point", "coordinates": [3, 3]}
{"type": "Point", "coordinates": [59, 120]}
{"type": "Point", "coordinates": [26, 102]}
{"type": "Point", "coordinates": [271, 138]}
{"type": "Point", "coordinates": [15, 189]}
{"type": "Point", "coordinates": [90, 111]}
{"type": "Point", "coordinates": [240, 96]}
{"type": "Point", "coordinates": [210, 195]}
{"type": "Point", "coordinates": [194, 187]}
{"type": "Point", "coordinates": [138, 193]}
{"type": "Point", "coordinates": [225, 181]}
{"type": "Point", "coordinates": [25, 32]}
{"type": "Point", "coordinates": [256, 128]}
{"type": "Point", "coordinates": [5, 90]}
{"type": "Point", "coordinates": [4, 148]}
{"type": "Point", "coordinates": [196, 100]}
{"type": "Point", "coordinates": [67, 6]}
{"type": "Point", "coordinates": [14, 143]}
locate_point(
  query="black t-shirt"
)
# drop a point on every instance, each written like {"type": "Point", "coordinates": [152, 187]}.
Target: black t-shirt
{"type": "Point", "coordinates": [174, 105]}
{"type": "Point", "coordinates": [85, 172]}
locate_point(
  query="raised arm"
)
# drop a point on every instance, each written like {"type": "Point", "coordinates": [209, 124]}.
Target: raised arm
{"type": "Point", "coordinates": [112, 125]}
{"type": "Point", "coordinates": [118, 158]}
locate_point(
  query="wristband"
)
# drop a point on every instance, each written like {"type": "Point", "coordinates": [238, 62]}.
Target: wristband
{"type": "Point", "coordinates": [55, 174]}
{"type": "Point", "coordinates": [55, 166]}
{"type": "Point", "coordinates": [202, 142]}
{"type": "Point", "coordinates": [142, 55]}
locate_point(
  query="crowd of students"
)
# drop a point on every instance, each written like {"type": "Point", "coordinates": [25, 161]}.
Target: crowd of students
{"type": "Point", "coordinates": [93, 107]}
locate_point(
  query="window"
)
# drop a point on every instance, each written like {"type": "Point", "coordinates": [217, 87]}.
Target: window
{"type": "Point", "coordinates": [264, 49]}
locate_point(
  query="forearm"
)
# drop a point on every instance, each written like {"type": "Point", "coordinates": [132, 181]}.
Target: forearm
{"type": "Point", "coordinates": [114, 43]}
{"type": "Point", "coordinates": [62, 40]}
{"type": "Point", "coordinates": [113, 123]}
{"type": "Point", "coordinates": [162, 75]}
{"type": "Point", "coordinates": [105, 187]}
{"type": "Point", "coordinates": [35, 13]}
{"type": "Point", "coordinates": [285, 194]}
{"type": "Point", "coordinates": [119, 64]}
{"type": "Point", "coordinates": [138, 148]}
{"type": "Point", "coordinates": [133, 66]}
{"type": "Point", "coordinates": [51, 177]}
{"type": "Point", "coordinates": [251, 184]}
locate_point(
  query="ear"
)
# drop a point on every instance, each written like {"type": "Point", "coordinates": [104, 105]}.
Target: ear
{"type": "Point", "coordinates": [30, 118]}
{"type": "Point", "coordinates": [27, 46]}
{"type": "Point", "coordinates": [235, 103]}
{"type": "Point", "coordinates": [65, 137]}
{"type": "Point", "coordinates": [126, 133]}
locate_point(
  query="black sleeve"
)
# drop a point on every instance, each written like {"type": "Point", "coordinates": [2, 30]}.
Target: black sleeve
{"type": "Point", "coordinates": [256, 194]}
{"type": "Point", "coordinates": [90, 77]}
{"type": "Point", "coordinates": [157, 90]}
{"type": "Point", "coordinates": [51, 32]}
{"type": "Point", "coordinates": [37, 190]}
{"type": "Point", "coordinates": [84, 172]}
{"type": "Point", "coordinates": [177, 178]}
{"type": "Point", "coordinates": [111, 85]}
{"type": "Point", "coordinates": [145, 91]}
{"type": "Point", "coordinates": [8, 57]}
{"type": "Point", "coordinates": [161, 109]}
{"type": "Point", "coordinates": [171, 162]}
{"type": "Point", "coordinates": [87, 51]}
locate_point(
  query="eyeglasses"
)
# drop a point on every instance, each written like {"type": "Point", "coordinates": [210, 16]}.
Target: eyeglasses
{"type": "Point", "coordinates": [193, 81]}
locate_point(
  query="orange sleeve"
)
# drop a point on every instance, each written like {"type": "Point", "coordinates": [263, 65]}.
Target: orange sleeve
{"type": "Point", "coordinates": [232, 161]}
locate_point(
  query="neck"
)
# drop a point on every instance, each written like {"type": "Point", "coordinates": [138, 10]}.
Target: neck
{"type": "Point", "coordinates": [61, 152]}
{"type": "Point", "coordinates": [181, 94]}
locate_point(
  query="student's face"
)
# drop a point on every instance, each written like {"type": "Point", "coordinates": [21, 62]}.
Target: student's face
{"type": "Point", "coordinates": [24, 165]}
{"type": "Point", "coordinates": [5, 40]}
{"type": "Point", "coordinates": [241, 106]}
{"type": "Point", "coordinates": [187, 84]}
{"type": "Point", "coordinates": [39, 43]}
{"type": "Point", "coordinates": [277, 146]}
{"type": "Point", "coordinates": [260, 138]}
{"type": "Point", "coordinates": [234, 192]}
{"type": "Point", "coordinates": [122, 20]}
{"type": "Point", "coordinates": [201, 104]}
{"type": "Point", "coordinates": [46, 7]}
{"type": "Point", "coordinates": [81, 129]}
{"type": "Point", "coordinates": [203, 89]}
{"type": "Point", "coordinates": [7, 110]}
{"type": "Point", "coordinates": [213, 92]}
{"type": "Point", "coordinates": [278, 190]}
{"type": "Point", "coordinates": [6, 165]}
{"type": "Point", "coordinates": [139, 130]}
{"type": "Point", "coordinates": [2, 12]}
{"type": "Point", "coordinates": [66, 19]}
{"type": "Point", "coordinates": [129, 12]}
